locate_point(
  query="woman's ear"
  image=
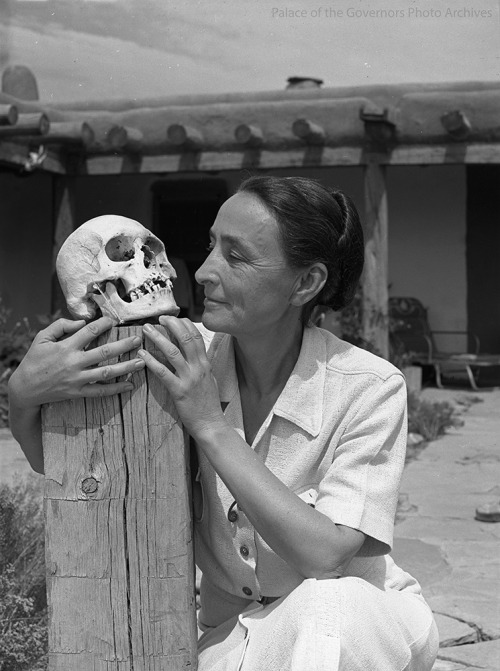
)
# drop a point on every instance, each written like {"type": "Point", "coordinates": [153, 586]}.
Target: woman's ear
{"type": "Point", "coordinates": [308, 284]}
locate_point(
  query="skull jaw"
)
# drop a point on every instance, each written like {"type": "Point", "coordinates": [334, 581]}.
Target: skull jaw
{"type": "Point", "coordinates": [153, 305]}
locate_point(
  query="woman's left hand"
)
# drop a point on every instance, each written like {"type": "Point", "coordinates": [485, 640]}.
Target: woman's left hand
{"type": "Point", "coordinates": [192, 386]}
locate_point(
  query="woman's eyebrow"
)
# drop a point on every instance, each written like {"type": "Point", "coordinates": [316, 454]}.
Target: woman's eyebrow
{"type": "Point", "coordinates": [232, 239]}
{"type": "Point", "coordinates": [227, 237]}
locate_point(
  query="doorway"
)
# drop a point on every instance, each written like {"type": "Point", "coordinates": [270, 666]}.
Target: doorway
{"type": "Point", "coordinates": [183, 213]}
{"type": "Point", "coordinates": [483, 254]}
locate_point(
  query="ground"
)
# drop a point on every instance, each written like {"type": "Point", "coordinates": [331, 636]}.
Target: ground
{"type": "Point", "coordinates": [437, 539]}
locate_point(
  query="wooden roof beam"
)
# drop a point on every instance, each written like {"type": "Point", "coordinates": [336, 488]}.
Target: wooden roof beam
{"type": "Point", "coordinates": [185, 137]}
{"type": "Point", "coordinates": [27, 124]}
{"type": "Point", "coordinates": [308, 131]}
{"type": "Point", "coordinates": [456, 124]}
{"type": "Point", "coordinates": [249, 136]}
{"type": "Point", "coordinates": [100, 135]}
{"type": "Point", "coordinates": [126, 138]}
{"type": "Point", "coordinates": [69, 132]}
{"type": "Point", "coordinates": [8, 115]}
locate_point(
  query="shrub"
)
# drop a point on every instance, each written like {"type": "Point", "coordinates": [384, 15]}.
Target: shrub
{"type": "Point", "coordinates": [351, 320]}
{"type": "Point", "coordinates": [23, 631]}
{"type": "Point", "coordinates": [429, 419]}
{"type": "Point", "coordinates": [4, 403]}
{"type": "Point", "coordinates": [23, 605]}
{"type": "Point", "coordinates": [15, 341]}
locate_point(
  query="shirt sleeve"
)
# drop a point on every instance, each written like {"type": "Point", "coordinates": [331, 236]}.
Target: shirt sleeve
{"type": "Point", "coordinates": [360, 489]}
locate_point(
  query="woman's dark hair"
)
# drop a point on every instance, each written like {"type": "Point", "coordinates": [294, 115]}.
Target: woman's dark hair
{"type": "Point", "coordinates": [317, 225]}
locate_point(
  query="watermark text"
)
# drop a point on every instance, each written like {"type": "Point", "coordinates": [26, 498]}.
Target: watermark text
{"type": "Point", "coordinates": [326, 12]}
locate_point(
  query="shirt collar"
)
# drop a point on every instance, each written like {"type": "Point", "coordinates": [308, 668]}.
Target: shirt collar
{"type": "Point", "coordinates": [301, 400]}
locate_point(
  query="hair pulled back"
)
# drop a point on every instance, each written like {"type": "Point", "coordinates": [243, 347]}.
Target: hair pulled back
{"type": "Point", "coordinates": [316, 225]}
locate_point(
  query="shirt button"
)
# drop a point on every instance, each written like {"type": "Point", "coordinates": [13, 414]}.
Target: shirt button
{"type": "Point", "coordinates": [247, 591]}
{"type": "Point", "coordinates": [244, 551]}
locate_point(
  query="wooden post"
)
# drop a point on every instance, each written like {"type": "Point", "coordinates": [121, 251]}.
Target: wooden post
{"type": "Point", "coordinates": [120, 572]}
{"type": "Point", "coordinates": [375, 274]}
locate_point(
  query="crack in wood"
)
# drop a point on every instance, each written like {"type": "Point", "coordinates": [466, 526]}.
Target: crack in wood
{"type": "Point", "coordinates": [126, 543]}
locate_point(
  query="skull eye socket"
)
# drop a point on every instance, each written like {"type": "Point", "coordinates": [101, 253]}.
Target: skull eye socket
{"type": "Point", "coordinates": [154, 245]}
{"type": "Point", "coordinates": [151, 248]}
{"type": "Point", "coordinates": [120, 248]}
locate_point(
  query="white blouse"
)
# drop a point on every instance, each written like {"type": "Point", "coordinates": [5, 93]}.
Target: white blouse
{"type": "Point", "coordinates": [336, 437]}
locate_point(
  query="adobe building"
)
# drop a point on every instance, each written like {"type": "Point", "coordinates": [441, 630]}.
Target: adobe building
{"type": "Point", "coordinates": [422, 163]}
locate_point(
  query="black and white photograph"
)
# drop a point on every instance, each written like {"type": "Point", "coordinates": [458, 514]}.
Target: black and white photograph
{"type": "Point", "coordinates": [249, 335]}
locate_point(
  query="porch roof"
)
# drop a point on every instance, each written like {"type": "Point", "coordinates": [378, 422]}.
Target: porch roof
{"type": "Point", "coordinates": [394, 124]}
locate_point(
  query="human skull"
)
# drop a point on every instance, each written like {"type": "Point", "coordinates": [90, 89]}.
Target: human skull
{"type": "Point", "coordinates": [116, 264]}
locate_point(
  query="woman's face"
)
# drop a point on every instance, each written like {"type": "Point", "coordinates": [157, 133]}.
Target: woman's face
{"type": "Point", "coordinates": [247, 281]}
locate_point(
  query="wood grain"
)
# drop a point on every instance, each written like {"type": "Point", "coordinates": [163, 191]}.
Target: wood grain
{"type": "Point", "coordinates": [119, 554]}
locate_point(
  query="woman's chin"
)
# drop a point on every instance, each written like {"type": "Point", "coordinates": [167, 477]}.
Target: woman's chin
{"type": "Point", "coordinates": [211, 322]}
{"type": "Point", "coordinates": [214, 321]}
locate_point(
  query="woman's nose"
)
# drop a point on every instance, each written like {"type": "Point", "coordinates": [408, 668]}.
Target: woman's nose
{"type": "Point", "coordinates": [205, 272]}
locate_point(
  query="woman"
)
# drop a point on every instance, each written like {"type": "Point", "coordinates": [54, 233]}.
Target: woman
{"type": "Point", "coordinates": [300, 439]}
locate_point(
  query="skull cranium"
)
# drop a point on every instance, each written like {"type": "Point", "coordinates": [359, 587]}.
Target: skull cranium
{"type": "Point", "coordinates": [116, 264]}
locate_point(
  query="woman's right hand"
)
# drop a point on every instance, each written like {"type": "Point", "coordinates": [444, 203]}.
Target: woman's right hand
{"type": "Point", "coordinates": [58, 365]}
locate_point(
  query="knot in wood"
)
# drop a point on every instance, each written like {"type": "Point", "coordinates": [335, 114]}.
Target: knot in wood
{"type": "Point", "coordinates": [89, 485]}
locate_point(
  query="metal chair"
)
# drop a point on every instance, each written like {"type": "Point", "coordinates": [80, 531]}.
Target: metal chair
{"type": "Point", "coordinates": [411, 336]}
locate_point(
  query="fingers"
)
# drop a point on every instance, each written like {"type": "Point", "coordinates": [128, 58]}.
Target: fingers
{"type": "Point", "coordinates": [187, 336]}
{"type": "Point", "coordinates": [172, 353]}
{"type": "Point", "coordinates": [111, 350]}
{"type": "Point", "coordinates": [59, 329]}
{"type": "Point", "coordinates": [91, 331]}
{"type": "Point", "coordinates": [105, 373]}
{"type": "Point", "coordinates": [169, 379]}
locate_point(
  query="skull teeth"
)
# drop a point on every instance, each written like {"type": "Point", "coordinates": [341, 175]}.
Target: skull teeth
{"type": "Point", "coordinates": [151, 286]}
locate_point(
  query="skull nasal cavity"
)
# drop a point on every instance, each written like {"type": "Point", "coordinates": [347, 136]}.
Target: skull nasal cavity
{"type": "Point", "coordinates": [120, 248]}
{"type": "Point", "coordinates": [148, 255]}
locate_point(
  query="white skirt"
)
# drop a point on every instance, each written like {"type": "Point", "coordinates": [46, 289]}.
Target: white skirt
{"type": "Point", "coordinates": [346, 624]}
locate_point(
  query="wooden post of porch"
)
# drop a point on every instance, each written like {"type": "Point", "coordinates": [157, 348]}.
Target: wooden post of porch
{"type": "Point", "coordinates": [375, 275]}
{"type": "Point", "coordinates": [119, 556]}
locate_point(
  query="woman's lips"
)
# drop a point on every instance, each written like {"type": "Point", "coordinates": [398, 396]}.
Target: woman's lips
{"type": "Point", "coordinates": [211, 300]}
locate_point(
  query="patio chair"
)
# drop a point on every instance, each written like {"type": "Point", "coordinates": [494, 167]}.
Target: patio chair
{"type": "Point", "coordinates": [412, 337]}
